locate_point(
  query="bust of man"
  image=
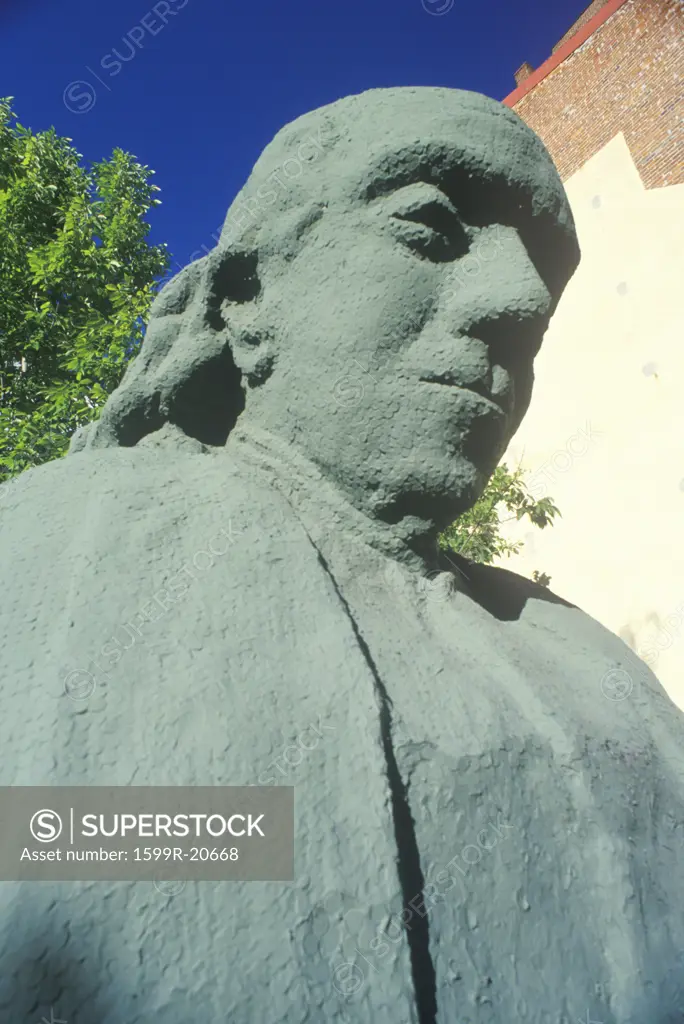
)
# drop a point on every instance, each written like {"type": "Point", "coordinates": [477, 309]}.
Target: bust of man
{"type": "Point", "coordinates": [242, 552]}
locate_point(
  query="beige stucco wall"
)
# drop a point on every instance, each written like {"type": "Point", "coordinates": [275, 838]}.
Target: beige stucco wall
{"type": "Point", "coordinates": [604, 435]}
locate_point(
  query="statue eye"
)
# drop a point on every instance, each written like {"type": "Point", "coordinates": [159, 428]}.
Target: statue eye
{"type": "Point", "coordinates": [432, 230]}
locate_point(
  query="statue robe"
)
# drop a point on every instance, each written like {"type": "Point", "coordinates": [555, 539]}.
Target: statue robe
{"type": "Point", "coordinates": [461, 741]}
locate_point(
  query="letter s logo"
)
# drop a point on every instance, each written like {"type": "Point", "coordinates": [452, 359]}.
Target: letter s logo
{"type": "Point", "coordinates": [45, 826]}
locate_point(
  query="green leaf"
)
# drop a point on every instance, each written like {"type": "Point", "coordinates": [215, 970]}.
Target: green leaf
{"type": "Point", "coordinates": [77, 278]}
{"type": "Point", "coordinates": [477, 533]}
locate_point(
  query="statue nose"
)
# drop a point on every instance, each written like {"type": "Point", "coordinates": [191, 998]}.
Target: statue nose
{"type": "Point", "coordinates": [496, 287]}
{"type": "Point", "coordinates": [497, 295]}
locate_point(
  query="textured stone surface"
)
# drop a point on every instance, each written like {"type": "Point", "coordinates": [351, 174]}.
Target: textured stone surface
{"type": "Point", "coordinates": [240, 557]}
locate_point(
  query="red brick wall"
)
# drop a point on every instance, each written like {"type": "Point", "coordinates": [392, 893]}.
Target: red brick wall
{"type": "Point", "coordinates": [627, 77]}
{"type": "Point", "coordinates": [586, 16]}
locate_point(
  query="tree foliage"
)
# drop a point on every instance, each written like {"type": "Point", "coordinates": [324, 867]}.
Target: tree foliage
{"type": "Point", "coordinates": [77, 278]}
{"type": "Point", "coordinates": [477, 534]}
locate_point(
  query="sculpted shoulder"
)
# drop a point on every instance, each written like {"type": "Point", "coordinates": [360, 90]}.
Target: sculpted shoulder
{"type": "Point", "coordinates": [82, 492]}
{"type": "Point", "coordinates": [577, 663]}
{"type": "Point", "coordinates": [516, 600]}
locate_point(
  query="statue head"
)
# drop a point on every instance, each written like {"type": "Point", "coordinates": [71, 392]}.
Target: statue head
{"type": "Point", "coordinates": [378, 294]}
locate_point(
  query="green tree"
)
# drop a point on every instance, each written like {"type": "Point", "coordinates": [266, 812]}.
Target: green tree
{"type": "Point", "coordinates": [77, 278]}
{"type": "Point", "coordinates": [477, 533]}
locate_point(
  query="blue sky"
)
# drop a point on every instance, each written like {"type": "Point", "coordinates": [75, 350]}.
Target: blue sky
{"type": "Point", "coordinates": [196, 88]}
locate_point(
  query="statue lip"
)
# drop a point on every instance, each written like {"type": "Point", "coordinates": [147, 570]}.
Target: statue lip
{"type": "Point", "coordinates": [450, 380]}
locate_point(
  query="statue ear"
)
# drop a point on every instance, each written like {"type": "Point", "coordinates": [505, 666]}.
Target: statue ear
{"type": "Point", "coordinates": [232, 283]}
{"type": "Point", "coordinates": [233, 291]}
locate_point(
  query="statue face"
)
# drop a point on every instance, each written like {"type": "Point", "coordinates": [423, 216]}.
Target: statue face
{"type": "Point", "coordinates": [407, 325]}
{"type": "Point", "coordinates": [384, 306]}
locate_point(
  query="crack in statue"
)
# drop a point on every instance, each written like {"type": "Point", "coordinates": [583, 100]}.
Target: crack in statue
{"type": "Point", "coordinates": [338, 379]}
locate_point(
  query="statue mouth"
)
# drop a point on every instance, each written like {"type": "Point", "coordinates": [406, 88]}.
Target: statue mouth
{"type": "Point", "coordinates": [476, 387]}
